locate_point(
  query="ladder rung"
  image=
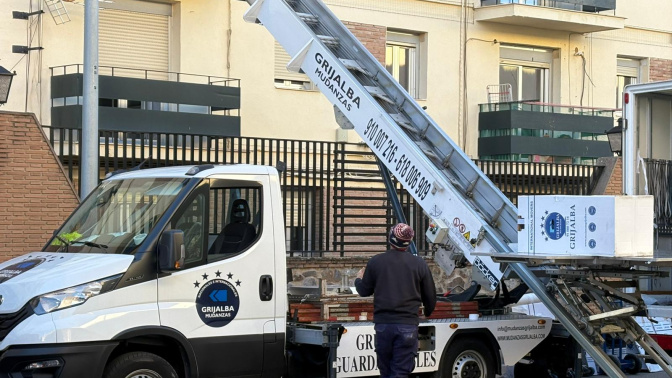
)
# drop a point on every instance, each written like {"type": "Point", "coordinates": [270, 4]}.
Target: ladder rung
{"type": "Point", "coordinates": [625, 311]}
{"type": "Point", "coordinates": [426, 151]}
{"type": "Point", "coordinates": [403, 122]}
{"type": "Point", "coordinates": [328, 40]}
{"type": "Point", "coordinates": [377, 92]}
{"type": "Point", "coordinates": [353, 65]}
{"type": "Point", "coordinates": [308, 18]}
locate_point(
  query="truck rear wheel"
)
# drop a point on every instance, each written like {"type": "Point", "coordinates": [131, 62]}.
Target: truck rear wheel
{"type": "Point", "coordinates": [468, 358]}
{"type": "Point", "coordinates": [139, 365]}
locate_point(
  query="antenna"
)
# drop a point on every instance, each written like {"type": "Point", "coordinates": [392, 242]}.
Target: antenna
{"type": "Point", "coordinates": [58, 11]}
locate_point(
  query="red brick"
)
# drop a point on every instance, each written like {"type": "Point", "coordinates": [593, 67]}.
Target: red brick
{"type": "Point", "coordinates": [35, 194]}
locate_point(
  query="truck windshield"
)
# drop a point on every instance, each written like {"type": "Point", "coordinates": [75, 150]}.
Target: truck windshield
{"type": "Point", "coordinates": [117, 217]}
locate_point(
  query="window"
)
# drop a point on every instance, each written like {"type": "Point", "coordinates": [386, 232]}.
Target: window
{"type": "Point", "coordinates": [527, 69]}
{"type": "Point", "coordinates": [235, 219]}
{"type": "Point", "coordinates": [404, 54]}
{"type": "Point", "coordinates": [117, 217]}
{"type": "Point", "coordinates": [627, 72]}
{"type": "Point", "coordinates": [287, 79]}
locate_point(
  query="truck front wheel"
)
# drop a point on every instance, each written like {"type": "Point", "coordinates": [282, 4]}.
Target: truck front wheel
{"type": "Point", "coordinates": [139, 365]}
{"type": "Point", "coordinates": [468, 358]}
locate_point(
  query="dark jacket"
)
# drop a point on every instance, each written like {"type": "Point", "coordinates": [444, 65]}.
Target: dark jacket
{"type": "Point", "coordinates": [400, 282]}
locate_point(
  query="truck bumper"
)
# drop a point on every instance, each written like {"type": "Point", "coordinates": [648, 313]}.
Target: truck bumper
{"type": "Point", "coordinates": [73, 360]}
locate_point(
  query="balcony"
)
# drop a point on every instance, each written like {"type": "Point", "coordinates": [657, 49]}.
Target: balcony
{"type": "Point", "coordinates": [539, 132]}
{"type": "Point", "coordinates": [132, 100]}
{"type": "Point", "coordinates": [578, 16]}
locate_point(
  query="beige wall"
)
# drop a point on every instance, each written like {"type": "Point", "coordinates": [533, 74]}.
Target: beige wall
{"type": "Point", "coordinates": [199, 39]}
{"type": "Point", "coordinates": [62, 45]}
{"type": "Point", "coordinates": [647, 14]}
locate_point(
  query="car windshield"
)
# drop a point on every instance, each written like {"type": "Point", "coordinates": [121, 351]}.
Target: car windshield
{"type": "Point", "coordinates": [117, 217]}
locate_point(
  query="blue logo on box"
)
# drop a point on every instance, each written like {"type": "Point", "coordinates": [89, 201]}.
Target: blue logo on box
{"type": "Point", "coordinates": [592, 227]}
{"type": "Point", "coordinates": [592, 243]}
{"type": "Point", "coordinates": [555, 225]}
{"type": "Point", "coordinates": [592, 210]}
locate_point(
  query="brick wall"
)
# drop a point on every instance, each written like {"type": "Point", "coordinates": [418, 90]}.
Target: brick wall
{"type": "Point", "coordinates": [35, 194]}
{"type": "Point", "coordinates": [660, 69]}
{"type": "Point", "coordinates": [373, 37]}
{"type": "Point", "coordinates": [615, 183]}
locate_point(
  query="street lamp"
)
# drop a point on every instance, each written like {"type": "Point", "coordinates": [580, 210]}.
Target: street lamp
{"type": "Point", "coordinates": [615, 136]}
{"type": "Point", "coordinates": [5, 83]}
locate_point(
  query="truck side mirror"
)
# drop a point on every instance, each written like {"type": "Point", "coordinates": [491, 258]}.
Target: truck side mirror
{"type": "Point", "coordinates": [171, 250]}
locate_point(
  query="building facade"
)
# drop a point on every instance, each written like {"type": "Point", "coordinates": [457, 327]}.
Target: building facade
{"type": "Point", "coordinates": [560, 65]}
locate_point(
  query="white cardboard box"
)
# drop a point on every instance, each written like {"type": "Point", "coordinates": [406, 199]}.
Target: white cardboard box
{"type": "Point", "coordinates": [609, 226]}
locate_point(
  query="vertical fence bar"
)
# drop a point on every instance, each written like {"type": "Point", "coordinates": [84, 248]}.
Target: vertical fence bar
{"type": "Point", "coordinates": [313, 191]}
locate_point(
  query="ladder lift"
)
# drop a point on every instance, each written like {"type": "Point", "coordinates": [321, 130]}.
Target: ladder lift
{"type": "Point", "coordinates": [471, 217]}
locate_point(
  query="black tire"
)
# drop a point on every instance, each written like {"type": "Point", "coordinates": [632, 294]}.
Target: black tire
{"type": "Point", "coordinates": [139, 365]}
{"type": "Point", "coordinates": [636, 364]}
{"type": "Point", "coordinates": [468, 358]}
{"type": "Point", "coordinates": [536, 369]}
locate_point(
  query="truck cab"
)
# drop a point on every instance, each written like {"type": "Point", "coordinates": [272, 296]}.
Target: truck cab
{"type": "Point", "coordinates": [154, 266]}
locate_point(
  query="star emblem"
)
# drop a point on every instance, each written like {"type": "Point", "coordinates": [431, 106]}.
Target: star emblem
{"type": "Point", "coordinates": [205, 276]}
{"type": "Point", "coordinates": [218, 273]}
{"type": "Point", "coordinates": [543, 218]}
{"type": "Point", "coordinates": [238, 283]}
{"type": "Point", "coordinates": [546, 212]}
{"type": "Point", "coordinates": [197, 284]}
{"type": "Point", "coordinates": [230, 275]}
{"type": "Point", "coordinates": [546, 239]}
{"type": "Point", "coordinates": [543, 233]}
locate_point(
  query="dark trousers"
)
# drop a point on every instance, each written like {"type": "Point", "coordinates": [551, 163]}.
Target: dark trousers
{"type": "Point", "coordinates": [396, 348]}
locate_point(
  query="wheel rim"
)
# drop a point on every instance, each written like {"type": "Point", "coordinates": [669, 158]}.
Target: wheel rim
{"type": "Point", "coordinates": [469, 364]}
{"type": "Point", "coordinates": [144, 373]}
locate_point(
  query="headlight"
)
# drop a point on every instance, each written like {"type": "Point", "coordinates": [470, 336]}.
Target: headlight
{"type": "Point", "coordinates": [72, 296]}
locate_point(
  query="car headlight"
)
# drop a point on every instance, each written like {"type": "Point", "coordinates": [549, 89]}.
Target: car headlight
{"type": "Point", "coordinates": [72, 296]}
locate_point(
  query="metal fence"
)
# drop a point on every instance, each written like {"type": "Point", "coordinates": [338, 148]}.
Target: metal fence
{"type": "Point", "coordinates": [334, 199]}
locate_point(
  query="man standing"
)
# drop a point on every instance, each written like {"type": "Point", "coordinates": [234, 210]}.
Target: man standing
{"type": "Point", "coordinates": [400, 281]}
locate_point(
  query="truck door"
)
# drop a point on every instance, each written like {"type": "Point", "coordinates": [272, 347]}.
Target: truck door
{"type": "Point", "coordinates": [223, 299]}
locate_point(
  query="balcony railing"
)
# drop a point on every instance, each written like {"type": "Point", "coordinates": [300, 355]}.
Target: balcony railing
{"type": "Point", "coordinates": [574, 16]}
{"type": "Point", "coordinates": [538, 132]}
{"type": "Point", "coordinates": [137, 73]}
{"type": "Point", "coordinates": [577, 5]}
{"type": "Point", "coordinates": [541, 107]}
{"type": "Point", "coordinates": [146, 100]}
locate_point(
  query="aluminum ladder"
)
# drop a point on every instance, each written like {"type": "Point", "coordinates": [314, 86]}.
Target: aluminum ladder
{"type": "Point", "coordinates": [463, 203]}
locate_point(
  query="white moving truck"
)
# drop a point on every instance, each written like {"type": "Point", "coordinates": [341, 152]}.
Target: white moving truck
{"type": "Point", "coordinates": [180, 272]}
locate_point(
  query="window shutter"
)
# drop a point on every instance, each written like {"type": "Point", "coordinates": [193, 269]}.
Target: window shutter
{"type": "Point", "coordinates": [628, 67]}
{"type": "Point", "coordinates": [281, 61]}
{"type": "Point", "coordinates": [134, 40]}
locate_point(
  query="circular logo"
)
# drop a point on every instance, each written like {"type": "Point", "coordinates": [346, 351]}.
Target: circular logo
{"type": "Point", "coordinates": [18, 268]}
{"type": "Point", "coordinates": [555, 226]}
{"type": "Point", "coordinates": [592, 243]}
{"type": "Point", "coordinates": [592, 210]}
{"type": "Point", "coordinates": [592, 227]}
{"type": "Point", "coordinates": [217, 303]}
